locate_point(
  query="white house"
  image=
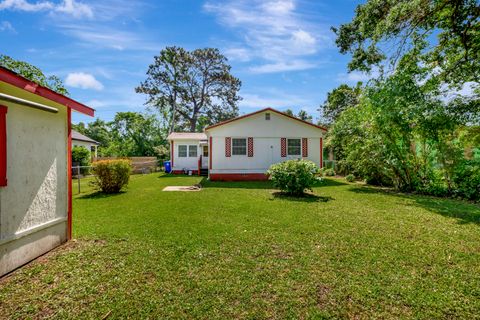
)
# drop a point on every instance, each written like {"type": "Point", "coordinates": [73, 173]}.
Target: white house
{"type": "Point", "coordinates": [35, 175]}
{"type": "Point", "coordinates": [243, 148]}
{"type": "Point", "coordinates": [80, 140]}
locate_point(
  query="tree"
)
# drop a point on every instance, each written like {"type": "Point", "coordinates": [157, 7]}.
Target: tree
{"type": "Point", "coordinates": [289, 112]}
{"type": "Point", "coordinates": [33, 73]}
{"type": "Point", "coordinates": [338, 100]}
{"type": "Point", "coordinates": [303, 115]}
{"type": "Point", "coordinates": [185, 86]}
{"type": "Point", "coordinates": [134, 134]}
{"type": "Point", "coordinates": [379, 25]}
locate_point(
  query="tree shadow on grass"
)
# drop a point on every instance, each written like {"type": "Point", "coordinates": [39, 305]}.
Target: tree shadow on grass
{"type": "Point", "coordinates": [99, 195]}
{"type": "Point", "coordinates": [329, 182]}
{"type": "Point", "coordinates": [307, 197]}
{"type": "Point", "coordinates": [463, 211]}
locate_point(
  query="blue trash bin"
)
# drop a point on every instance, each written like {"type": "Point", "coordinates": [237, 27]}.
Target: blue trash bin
{"type": "Point", "coordinates": [168, 167]}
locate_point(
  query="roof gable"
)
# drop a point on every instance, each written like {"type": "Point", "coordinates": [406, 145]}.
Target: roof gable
{"type": "Point", "coordinates": [261, 111]}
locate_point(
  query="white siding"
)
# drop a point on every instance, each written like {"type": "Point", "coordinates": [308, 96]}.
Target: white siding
{"type": "Point", "coordinates": [267, 136]}
{"type": "Point", "coordinates": [188, 163]}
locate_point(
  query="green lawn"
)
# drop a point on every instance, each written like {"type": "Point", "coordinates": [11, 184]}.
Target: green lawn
{"type": "Point", "coordinates": [240, 250]}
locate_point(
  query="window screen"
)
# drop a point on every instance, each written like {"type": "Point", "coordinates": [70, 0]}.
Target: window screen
{"type": "Point", "coordinates": [239, 147]}
{"type": "Point", "coordinates": [192, 151]}
{"type": "Point", "coordinates": [294, 147]}
{"type": "Point", "coordinates": [182, 151]}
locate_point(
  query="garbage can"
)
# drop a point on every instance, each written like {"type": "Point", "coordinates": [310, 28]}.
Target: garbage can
{"type": "Point", "coordinates": [168, 167]}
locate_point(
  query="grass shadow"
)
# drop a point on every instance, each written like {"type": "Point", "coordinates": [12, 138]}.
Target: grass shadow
{"type": "Point", "coordinates": [330, 182]}
{"type": "Point", "coordinates": [465, 212]}
{"type": "Point", "coordinates": [307, 197]}
{"type": "Point", "coordinates": [99, 195]}
{"type": "Point", "coordinates": [205, 183]}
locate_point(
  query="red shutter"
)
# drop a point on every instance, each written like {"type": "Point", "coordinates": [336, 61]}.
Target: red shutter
{"type": "Point", "coordinates": [250, 147]}
{"type": "Point", "coordinates": [304, 147]}
{"type": "Point", "coordinates": [172, 150]}
{"type": "Point", "coordinates": [3, 146]}
{"type": "Point", "coordinates": [283, 147]}
{"type": "Point", "coordinates": [228, 147]}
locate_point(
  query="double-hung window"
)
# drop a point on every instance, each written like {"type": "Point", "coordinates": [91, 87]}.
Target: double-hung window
{"type": "Point", "coordinates": [192, 151]}
{"type": "Point", "coordinates": [239, 146]}
{"type": "Point", "coordinates": [182, 151]}
{"type": "Point", "coordinates": [294, 147]}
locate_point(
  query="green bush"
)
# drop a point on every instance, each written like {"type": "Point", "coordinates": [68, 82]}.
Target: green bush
{"type": "Point", "coordinates": [111, 175]}
{"type": "Point", "coordinates": [81, 157]}
{"type": "Point", "coordinates": [350, 178]}
{"type": "Point", "coordinates": [329, 172]}
{"type": "Point", "coordinates": [293, 176]}
{"type": "Point", "coordinates": [467, 179]}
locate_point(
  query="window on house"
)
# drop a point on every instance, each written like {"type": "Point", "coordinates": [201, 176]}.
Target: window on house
{"type": "Point", "coordinates": [192, 151]}
{"type": "Point", "coordinates": [239, 147]}
{"type": "Point", "coordinates": [182, 151]}
{"type": "Point", "coordinates": [267, 116]}
{"type": "Point", "coordinates": [294, 147]}
{"type": "Point", "coordinates": [205, 151]}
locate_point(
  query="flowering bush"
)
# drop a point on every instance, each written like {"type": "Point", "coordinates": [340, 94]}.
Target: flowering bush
{"type": "Point", "coordinates": [293, 176]}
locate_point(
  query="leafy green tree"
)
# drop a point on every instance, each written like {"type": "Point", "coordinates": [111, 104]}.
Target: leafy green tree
{"type": "Point", "coordinates": [185, 86]}
{"type": "Point", "coordinates": [134, 134]}
{"type": "Point", "coordinates": [303, 115]}
{"type": "Point", "coordinates": [338, 100]}
{"type": "Point", "coordinates": [33, 73]}
{"type": "Point", "coordinates": [452, 28]}
{"type": "Point", "coordinates": [289, 112]}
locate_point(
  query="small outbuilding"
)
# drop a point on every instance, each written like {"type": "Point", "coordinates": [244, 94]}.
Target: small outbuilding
{"type": "Point", "coordinates": [35, 169]}
{"type": "Point", "coordinates": [81, 140]}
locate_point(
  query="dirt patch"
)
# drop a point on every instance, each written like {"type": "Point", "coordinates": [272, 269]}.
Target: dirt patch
{"type": "Point", "coordinates": [182, 188]}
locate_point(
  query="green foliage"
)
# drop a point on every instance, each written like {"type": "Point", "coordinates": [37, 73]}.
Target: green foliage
{"type": "Point", "coordinates": [293, 176]}
{"type": "Point", "coordinates": [339, 100]}
{"type": "Point", "coordinates": [350, 178]}
{"type": "Point", "coordinates": [191, 87]}
{"type": "Point", "coordinates": [81, 157]}
{"type": "Point", "coordinates": [452, 27]}
{"type": "Point", "coordinates": [303, 115]}
{"type": "Point", "coordinates": [33, 73]}
{"type": "Point", "coordinates": [467, 179]}
{"type": "Point", "coordinates": [328, 172]}
{"type": "Point", "coordinates": [111, 175]}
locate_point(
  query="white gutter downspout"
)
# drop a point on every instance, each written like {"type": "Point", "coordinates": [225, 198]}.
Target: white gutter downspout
{"type": "Point", "coordinates": [27, 103]}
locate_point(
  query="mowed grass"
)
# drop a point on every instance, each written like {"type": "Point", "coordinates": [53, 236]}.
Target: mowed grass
{"type": "Point", "coordinates": [241, 250]}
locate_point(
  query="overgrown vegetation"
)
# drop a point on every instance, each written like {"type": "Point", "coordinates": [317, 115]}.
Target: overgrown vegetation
{"type": "Point", "coordinates": [293, 177]}
{"type": "Point", "coordinates": [111, 176]}
{"type": "Point", "coordinates": [81, 157]}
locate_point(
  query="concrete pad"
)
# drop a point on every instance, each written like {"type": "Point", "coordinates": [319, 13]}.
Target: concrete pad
{"type": "Point", "coordinates": [182, 188]}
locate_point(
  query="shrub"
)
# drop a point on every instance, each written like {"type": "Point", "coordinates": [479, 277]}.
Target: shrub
{"type": "Point", "coordinates": [329, 172]}
{"type": "Point", "coordinates": [81, 157]}
{"type": "Point", "coordinates": [467, 179]}
{"type": "Point", "coordinates": [293, 176]}
{"type": "Point", "coordinates": [350, 178]}
{"type": "Point", "coordinates": [111, 175]}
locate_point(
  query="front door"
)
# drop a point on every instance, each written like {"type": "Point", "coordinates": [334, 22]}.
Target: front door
{"type": "Point", "coordinates": [205, 156]}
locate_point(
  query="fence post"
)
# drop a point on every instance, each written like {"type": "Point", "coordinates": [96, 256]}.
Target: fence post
{"type": "Point", "coordinates": [78, 178]}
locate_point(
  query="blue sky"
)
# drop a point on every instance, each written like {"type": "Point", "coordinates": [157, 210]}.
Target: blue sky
{"type": "Point", "coordinates": [282, 50]}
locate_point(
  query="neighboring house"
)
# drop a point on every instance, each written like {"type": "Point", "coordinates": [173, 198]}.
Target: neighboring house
{"type": "Point", "coordinates": [243, 148]}
{"type": "Point", "coordinates": [35, 161]}
{"type": "Point", "coordinates": [80, 140]}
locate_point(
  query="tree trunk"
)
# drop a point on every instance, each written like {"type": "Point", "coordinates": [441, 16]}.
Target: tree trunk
{"type": "Point", "coordinates": [193, 124]}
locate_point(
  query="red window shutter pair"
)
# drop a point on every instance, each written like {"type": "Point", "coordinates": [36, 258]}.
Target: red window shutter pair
{"type": "Point", "coordinates": [283, 147]}
{"type": "Point", "coordinates": [3, 146]}
{"type": "Point", "coordinates": [228, 147]}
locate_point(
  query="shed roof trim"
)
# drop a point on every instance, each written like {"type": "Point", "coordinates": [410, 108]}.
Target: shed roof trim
{"type": "Point", "coordinates": [14, 79]}
{"type": "Point", "coordinates": [80, 137]}
{"type": "Point", "coordinates": [187, 136]}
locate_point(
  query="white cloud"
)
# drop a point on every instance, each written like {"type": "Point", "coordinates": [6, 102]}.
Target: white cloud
{"type": "Point", "coordinates": [356, 76]}
{"type": "Point", "coordinates": [273, 31]}
{"type": "Point", "coordinates": [238, 54]}
{"type": "Point", "coordinates": [283, 67]}
{"type": "Point", "coordinates": [75, 9]}
{"type": "Point", "coordinates": [273, 99]}
{"type": "Point", "coordinates": [7, 26]}
{"type": "Point", "coordinates": [69, 7]}
{"type": "Point", "coordinates": [83, 80]}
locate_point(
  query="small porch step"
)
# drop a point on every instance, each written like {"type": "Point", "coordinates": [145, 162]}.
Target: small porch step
{"type": "Point", "coordinates": [204, 172]}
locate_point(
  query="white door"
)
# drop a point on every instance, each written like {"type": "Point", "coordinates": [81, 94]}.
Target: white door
{"type": "Point", "coordinates": [205, 156]}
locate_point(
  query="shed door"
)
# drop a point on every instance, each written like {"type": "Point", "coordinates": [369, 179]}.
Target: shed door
{"type": "Point", "coordinates": [205, 156]}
